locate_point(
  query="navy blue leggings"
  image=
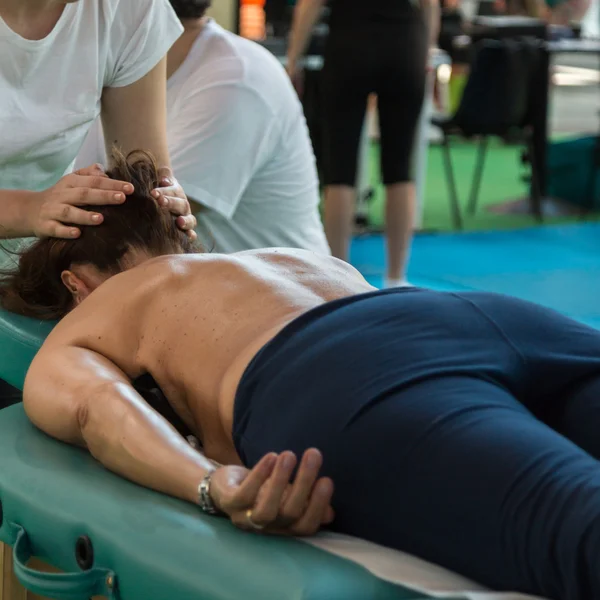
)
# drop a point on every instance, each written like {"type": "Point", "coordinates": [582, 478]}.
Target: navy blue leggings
{"type": "Point", "coordinates": [463, 428]}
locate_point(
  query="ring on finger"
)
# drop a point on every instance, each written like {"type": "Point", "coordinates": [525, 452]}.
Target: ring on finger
{"type": "Point", "coordinates": [251, 522]}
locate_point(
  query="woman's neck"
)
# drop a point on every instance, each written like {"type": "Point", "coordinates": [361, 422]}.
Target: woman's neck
{"type": "Point", "coordinates": [30, 7]}
{"type": "Point", "coordinates": [32, 19]}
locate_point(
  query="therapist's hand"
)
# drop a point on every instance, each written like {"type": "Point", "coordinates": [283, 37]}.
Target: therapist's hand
{"type": "Point", "coordinates": [55, 212]}
{"type": "Point", "coordinates": [264, 500]}
{"type": "Point", "coordinates": [171, 195]}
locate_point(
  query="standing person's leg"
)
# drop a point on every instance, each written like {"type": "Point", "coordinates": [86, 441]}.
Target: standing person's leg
{"type": "Point", "coordinates": [401, 91]}
{"type": "Point", "coordinates": [345, 96]}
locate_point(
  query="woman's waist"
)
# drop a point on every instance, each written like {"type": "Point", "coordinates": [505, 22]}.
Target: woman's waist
{"type": "Point", "coordinates": [308, 330]}
{"type": "Point", "coordinates": [242, 363]}
{"type": "Point", "coordinates": [410, 333]}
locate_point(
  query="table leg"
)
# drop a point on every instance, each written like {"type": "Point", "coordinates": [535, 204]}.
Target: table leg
{"type": "Point", "coordinates": [10, 588]}
{"type": "Point", "coordinates": [420, 151]}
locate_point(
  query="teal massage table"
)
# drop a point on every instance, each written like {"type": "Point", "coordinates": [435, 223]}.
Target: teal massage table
{"type": "Point", "coordinates": [106, 536]}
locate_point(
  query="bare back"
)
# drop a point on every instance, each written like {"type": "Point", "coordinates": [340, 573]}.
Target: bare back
{"type": "Point", "coordinates": [194, 322]}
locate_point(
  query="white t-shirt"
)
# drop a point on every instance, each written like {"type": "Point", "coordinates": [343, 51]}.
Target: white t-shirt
{"type": "Point", "coordinates": [239, 146]}
{"type": "Point", "coordinates": [50, 89]}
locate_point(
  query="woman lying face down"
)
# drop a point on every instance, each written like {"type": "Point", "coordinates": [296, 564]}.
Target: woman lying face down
{"type": "Point", "coordinates": [55, 274]}
{"type": "Point", "coordinates": [460, 427]}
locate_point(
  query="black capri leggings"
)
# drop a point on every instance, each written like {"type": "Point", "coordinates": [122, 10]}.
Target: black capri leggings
{"type": "Point", "coordinates": [463, 428]}
{"type": "Point", "coordinates": [389, 61]}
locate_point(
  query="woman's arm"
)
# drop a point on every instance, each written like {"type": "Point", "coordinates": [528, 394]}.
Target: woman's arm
{"type": "Point", "coordinates": [80, 397]}
{"type": "Point", "coordinates": [134, 117]}
{"type": "Point", "coordinates": [306, 14]}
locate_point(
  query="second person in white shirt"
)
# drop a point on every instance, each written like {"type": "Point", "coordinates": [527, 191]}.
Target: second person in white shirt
{"type": "Point", "coordinates": [238, 141]}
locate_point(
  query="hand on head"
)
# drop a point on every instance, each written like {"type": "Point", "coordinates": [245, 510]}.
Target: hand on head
{"type": "Point", "coordinates": [172, 196]}
{"type": "Point", "coordinates": [264, 499]}
{"type": "Point", "coordinates": [56, 212]}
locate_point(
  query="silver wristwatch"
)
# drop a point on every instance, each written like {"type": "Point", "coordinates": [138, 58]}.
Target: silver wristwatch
{"type": "Point", "coordinates": [204, 500]}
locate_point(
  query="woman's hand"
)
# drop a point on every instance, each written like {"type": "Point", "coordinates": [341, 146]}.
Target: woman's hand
{"type": "Point", "coordinates": [264, 500]}
{"type": "Point", "coordinates": [55, 210]}
{"type": "Point", "coordinates": [172, 196]}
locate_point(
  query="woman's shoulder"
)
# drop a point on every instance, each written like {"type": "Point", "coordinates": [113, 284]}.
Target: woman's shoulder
{"type": "Point", "coordinates": [135, 34]}
{"type": "Point", "coordinates": [128, 14]}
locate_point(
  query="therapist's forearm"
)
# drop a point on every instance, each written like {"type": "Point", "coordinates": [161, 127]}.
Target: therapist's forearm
{"type": "Point", "coordinates": [306, 14]}
{"type": "Point", "coordinates": [16, 209]}
{"type": "Point", "coordinates": [134, 117]}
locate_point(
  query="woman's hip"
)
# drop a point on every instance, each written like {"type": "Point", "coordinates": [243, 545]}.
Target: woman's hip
{"type": "Point", "coordinates": [338, 360]}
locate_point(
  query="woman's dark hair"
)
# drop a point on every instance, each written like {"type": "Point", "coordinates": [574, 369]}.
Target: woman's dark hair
{"type": "Point", "coordinates": [35, 289]}
{"type": "Point", "coordinates": [191, 9]}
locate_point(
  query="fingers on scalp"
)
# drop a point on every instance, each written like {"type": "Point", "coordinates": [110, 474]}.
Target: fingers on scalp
{"type": "Point", "coordinates": [76, 216]}
{"type": "Point", "coordinates": [84, 194]}
{"type": "Point", "coordinates": [186, 223]}
{"type": "Point", "coordinates": [98, 182]}
{"type": "Point", "coordinates": [178, 206]}
{"type": "Point", "coordinates": [96, 197]}
{"type": "Point", "coordinates": [97, 170]}
{"type": "Point", "coordinates": [58, 230]}
{"type": "Point", "coordinates": [64, 212]}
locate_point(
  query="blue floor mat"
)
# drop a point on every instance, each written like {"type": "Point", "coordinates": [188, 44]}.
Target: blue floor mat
{"type": "Point", "coordinates": [556, 266]}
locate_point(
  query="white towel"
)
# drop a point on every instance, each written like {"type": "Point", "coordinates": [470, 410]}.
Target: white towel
{"type": "Point", "coordinates": [406, 570]}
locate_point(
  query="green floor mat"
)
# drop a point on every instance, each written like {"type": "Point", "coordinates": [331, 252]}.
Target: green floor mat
{"type": "Point", "coordinates": [502, 181]}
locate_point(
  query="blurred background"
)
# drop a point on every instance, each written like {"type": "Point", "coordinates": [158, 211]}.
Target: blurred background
{"type": "Point", "coordinates": [507, 162]}
{"type": "Point", "coordinates": [572, 106]}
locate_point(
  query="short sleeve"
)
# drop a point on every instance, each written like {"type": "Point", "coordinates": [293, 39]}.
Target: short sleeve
{"type": "Point", "coordinates": [141, 34]}
{"type": "Point", "coordinates": [220, 138]}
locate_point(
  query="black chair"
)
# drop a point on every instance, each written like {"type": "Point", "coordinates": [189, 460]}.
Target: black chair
{"type": "Point", "coordinates": [495, 102]}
